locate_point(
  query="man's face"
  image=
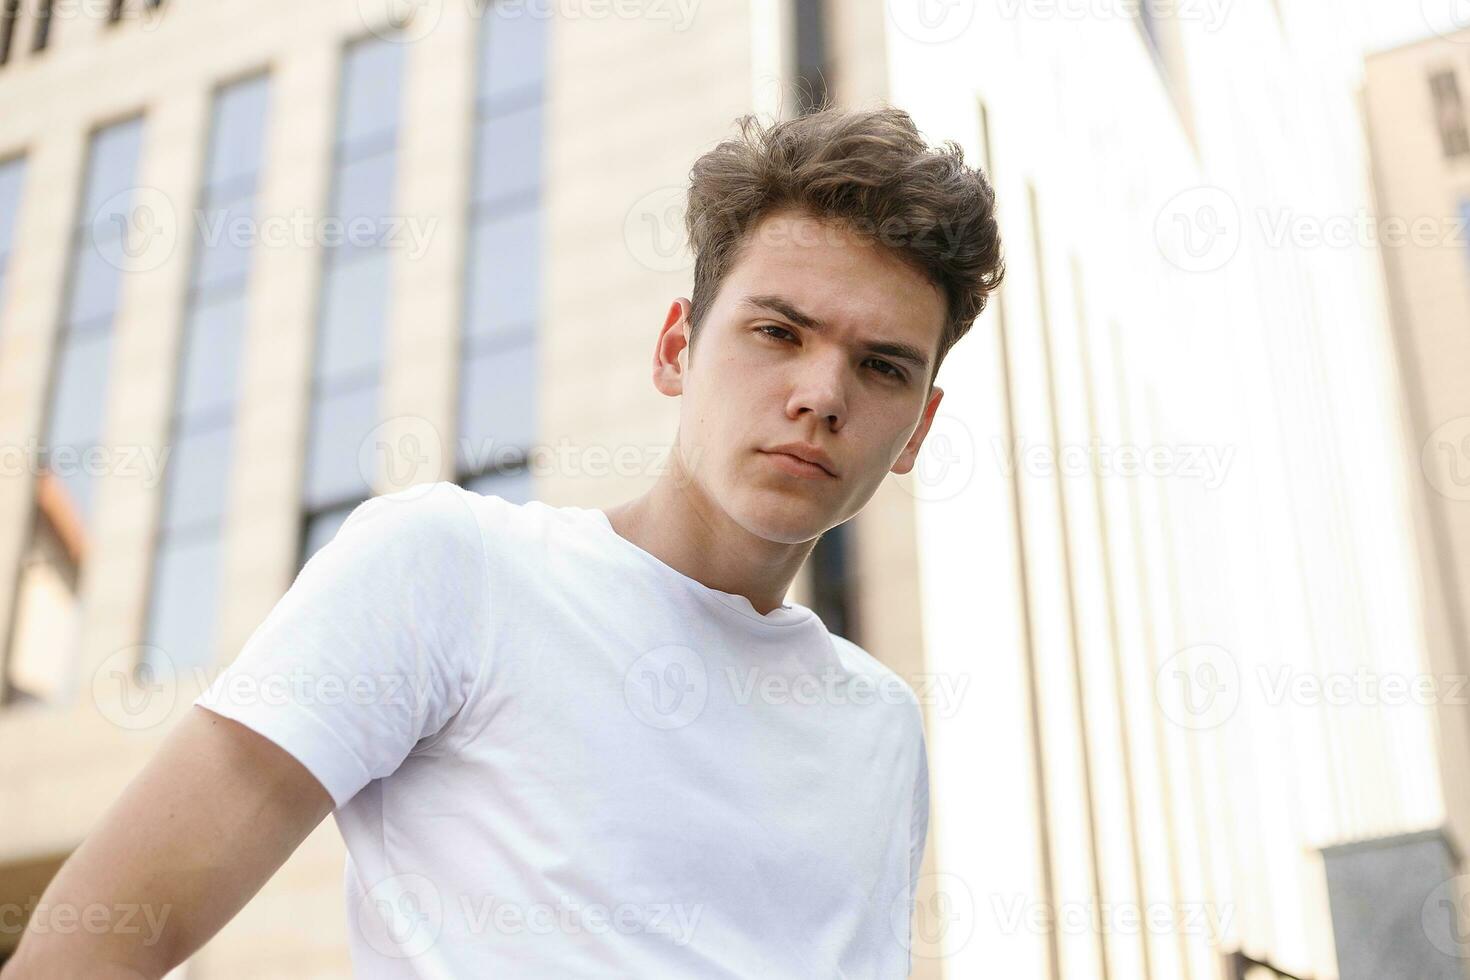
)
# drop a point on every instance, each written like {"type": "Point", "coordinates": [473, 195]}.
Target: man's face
{"type": "Point", "coordinates": [804, 344]}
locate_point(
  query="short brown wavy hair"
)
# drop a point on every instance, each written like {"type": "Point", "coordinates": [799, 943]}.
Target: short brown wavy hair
{"type": "Point", "coordinates": [870, 169]}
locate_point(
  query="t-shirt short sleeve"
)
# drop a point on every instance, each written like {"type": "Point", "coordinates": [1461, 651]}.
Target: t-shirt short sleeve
{"type": "Point", "coordinates": [376, 645]}
{"type": "Point", "coordinates": [918, 831]}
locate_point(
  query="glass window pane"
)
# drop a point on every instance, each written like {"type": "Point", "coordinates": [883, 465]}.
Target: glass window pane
{"type": "Point", "coordinates": [198, 478]}
{"type": "Point", "coordinates": [354, 316]}
{"type": "Point", "coordinates": [81, 379]}
{"type": "Point", "coordinates": [339, 423]}
{"type": "Point", "coordinates": [371, 73]}
{"type": "Point", "coordinates": [239, 130]}
{"type": "Point", "coordinates": [182, 607]}
{"type": "Point", "coordinates": [508, 154]}
{"type": "Point", "coordinates": [111, 167]}
{"type": "Point", "coordinates": [111, 221]}
{"type": "Point", "coordinates": [364, 186]}
{"type": "Point", "coordinates": [513, 42]}
{"type": "Point", "coordinates": [224, 235]}
{"type": "Point", "coordinates": [95, 281]}
{"type": "Point", "coordinates": [323, 527]}
{"type": "Point", "coordinates": [11, 174]}
{"type": "Point", "coordinates": [76, 413]}
{"type": "Point", "coordinates": [496, 404]}
{"type": "Point", "coordinates": [504, 284]}
{"type": "Point", "coordinates": [516, 485]}
{"type": "Point", "coordinates": [363, 200]}
{"type": "Point", "coordinates": [212, 349]}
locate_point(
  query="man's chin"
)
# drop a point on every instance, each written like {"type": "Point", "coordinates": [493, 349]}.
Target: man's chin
{"type": "Point", "coordinates": [781, 517]}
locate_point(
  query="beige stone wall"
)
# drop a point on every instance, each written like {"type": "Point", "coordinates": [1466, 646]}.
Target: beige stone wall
{"type": "Point", "coordinates": [630, 103]}
{"type": "Point", "coordinates": [1429, 290]}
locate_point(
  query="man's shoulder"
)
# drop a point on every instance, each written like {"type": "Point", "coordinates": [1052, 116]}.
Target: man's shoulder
{"type": "Point", "coordinates": [437, 525]}
{"type": "Point", "coordinates": [443, 523]}
{"type": "Point", "coordinates": [434, 511]}
{"type": "Point", "coordinates": [891, 686]}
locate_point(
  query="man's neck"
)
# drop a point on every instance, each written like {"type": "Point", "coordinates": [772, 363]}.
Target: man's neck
{"type": "Point", "coordinates": [680, 526]}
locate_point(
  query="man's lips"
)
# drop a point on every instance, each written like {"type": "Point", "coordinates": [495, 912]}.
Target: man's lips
{"type": "Point", "coordinates": [807, 452]}
{"type": "Point", "coordinates": [797, 466]}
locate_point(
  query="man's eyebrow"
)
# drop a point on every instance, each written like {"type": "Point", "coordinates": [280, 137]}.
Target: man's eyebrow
{"type": "Point", "coordinates": [783, 307]}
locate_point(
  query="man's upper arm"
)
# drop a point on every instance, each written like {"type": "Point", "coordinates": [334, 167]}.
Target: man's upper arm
{"type": "Point", "coordinates": [211, 816]}
{"type": "Point", "coordinates": [375, 646]}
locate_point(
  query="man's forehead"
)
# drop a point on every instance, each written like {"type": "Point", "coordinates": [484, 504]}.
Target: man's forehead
{"type": "Point", "coordinates": [835, 287]}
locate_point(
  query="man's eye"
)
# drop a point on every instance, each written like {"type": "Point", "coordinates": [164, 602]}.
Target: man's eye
{"type": "Point", "coordinates": [891, 370]}
{"type": "Point", "coordinates": [884, 368]}
{"type": "Point", "coordinates": [770, 326]}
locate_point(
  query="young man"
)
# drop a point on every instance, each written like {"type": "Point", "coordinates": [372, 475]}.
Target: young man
{"type": "Point", "coordinates": [573, 742]}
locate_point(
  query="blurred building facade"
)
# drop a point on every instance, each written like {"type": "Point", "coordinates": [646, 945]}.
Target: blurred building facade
{"type": "Point", "coordinates": [1417, 125]}
{"type": "Point", "coordinates": [259, 261]}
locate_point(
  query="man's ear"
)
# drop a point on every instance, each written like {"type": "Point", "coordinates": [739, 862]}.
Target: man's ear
{"type": "Point", "coordinates": [671, 353]}
{"type": "Point", "coordinates": [911, 448]}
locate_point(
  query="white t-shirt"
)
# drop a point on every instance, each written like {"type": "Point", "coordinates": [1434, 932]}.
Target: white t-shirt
{"type": "Point", "coordinates": [554, 755]}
